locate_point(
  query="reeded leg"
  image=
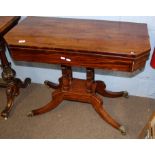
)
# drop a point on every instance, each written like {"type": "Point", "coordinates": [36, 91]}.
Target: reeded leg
{"type": "Point", "coordinates": [64, 83]}
{"type": "Point", "coordinates": [56, 100]}
{"type": "Point", "coordinates": [97, 104]}
{"type": "Point", "coordinates": [101, 89]}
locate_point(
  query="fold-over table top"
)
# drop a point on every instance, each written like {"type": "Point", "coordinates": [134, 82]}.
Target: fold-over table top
{"type": "Point", "coordinates": [81, 35]}
{"type": "Point", "coordinates": [7, 22]}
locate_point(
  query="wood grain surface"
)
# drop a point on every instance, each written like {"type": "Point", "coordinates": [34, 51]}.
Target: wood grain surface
{"type": "Point", "coordinates": [78, 34]}
{"type": "Point", "coordinates": [7, 22]}
{"type": "Point", "coordinates": [76, 42]}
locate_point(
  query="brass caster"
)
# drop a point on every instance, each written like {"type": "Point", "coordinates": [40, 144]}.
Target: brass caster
{"type": "Point", "coordinates": [5, 118]}
{"type": "Point", "coordinates": [122, 130]}
{"type": "Point", "coordinates": [126, 94]}
{"type": "Point", "coordinates": [4, 115]}
{"type": "Point", "coordinates": [30, 114]}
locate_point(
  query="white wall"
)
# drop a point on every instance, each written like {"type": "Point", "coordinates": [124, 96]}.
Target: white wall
{"type": "Point", "coordinates": [141, 84]}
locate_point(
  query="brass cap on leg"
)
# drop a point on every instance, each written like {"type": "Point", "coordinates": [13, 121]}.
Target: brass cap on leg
{"type": "Point", "coordinates": [5, 118]}
{"type": "Point", "coordinates": [122, 130]}
{"type": "Point", "coordinates": [4, 115]}
{"type": "Point", "coordinates": [126, 94]}
{"type": "Point", "coordinates": [30, 114]}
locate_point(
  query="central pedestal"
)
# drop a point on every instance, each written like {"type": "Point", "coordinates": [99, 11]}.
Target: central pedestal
{"type": "Point", "coordinates": [85, 91]}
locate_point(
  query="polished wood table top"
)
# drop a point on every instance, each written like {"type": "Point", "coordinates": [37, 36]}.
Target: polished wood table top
{"type": "Point", "coordinates": [7, 22]}
{"type": "Point", "coordinates": [101, 44]}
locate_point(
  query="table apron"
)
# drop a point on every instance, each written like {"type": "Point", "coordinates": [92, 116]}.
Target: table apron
{"type": "Point", "coordinates": [115, 63]}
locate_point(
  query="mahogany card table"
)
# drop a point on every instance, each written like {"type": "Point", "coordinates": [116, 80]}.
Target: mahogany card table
{"type": "Point", "coordinates": [11, 83]}
{"type": "Point", "coordinates": [116, 46]}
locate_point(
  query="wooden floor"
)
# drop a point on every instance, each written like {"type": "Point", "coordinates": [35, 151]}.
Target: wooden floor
{"type": "Point", "coordinates": [72, 119]}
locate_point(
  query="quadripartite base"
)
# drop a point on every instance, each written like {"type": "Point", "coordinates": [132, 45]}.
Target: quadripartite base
{"type": "Point", "coordinates": [85, 91]}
